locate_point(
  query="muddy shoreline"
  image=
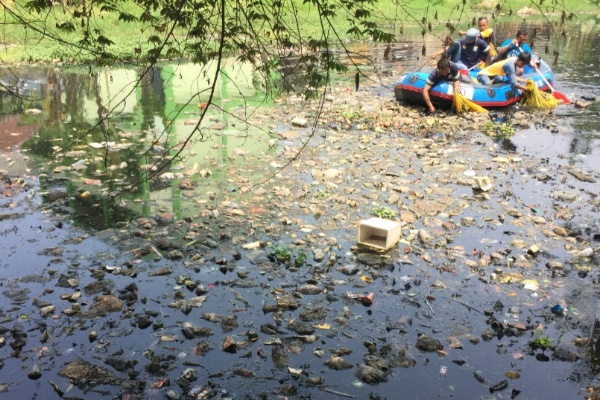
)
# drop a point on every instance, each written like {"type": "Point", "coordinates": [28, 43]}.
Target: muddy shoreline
{"type": "Point", "coordinates": [259, 294]}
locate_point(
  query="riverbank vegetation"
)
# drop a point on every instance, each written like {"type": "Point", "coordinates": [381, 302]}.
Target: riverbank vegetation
{"type": "Point", "coordinates": [106, 31]}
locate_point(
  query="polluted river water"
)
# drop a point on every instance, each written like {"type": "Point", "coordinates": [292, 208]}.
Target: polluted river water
{"type": "Point", "coordinates": [227, 277]}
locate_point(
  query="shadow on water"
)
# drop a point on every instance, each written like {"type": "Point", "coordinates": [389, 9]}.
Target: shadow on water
{"type": "Point", "coordinates": [86, 159]}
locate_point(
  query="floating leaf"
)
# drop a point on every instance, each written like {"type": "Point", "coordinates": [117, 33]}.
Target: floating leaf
{"type": "Point", "coordinates": [95, 182]}
{"type": "Point", "coordinates": [168, 338]}
{"type": "Point", "coordinates": [455, 343]}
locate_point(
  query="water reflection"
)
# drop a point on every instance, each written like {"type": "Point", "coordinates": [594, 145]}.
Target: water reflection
{"type": "Point", "coordinates": [102, 130]}
{"type": "Point", "coordinates": [14, 130]}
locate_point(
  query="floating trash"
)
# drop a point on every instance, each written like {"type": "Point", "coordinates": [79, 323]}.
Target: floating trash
{"type": "Point", "coordinates": [368, 299]}
{"type": "Point", "coordinates": [35, 373]}
{"type": "Point", "coordinates": [558, 310]}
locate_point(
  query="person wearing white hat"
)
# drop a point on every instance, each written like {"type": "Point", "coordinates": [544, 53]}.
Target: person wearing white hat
{"type": "Point", "coordinates": [468, 52]}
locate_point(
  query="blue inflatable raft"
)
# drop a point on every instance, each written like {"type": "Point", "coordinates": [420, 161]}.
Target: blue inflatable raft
{"type": "Point", "coordinates": [410, 89]}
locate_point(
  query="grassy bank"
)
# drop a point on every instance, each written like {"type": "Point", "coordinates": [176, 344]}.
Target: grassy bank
{"type": "Point", "coordinates": [43, 42]}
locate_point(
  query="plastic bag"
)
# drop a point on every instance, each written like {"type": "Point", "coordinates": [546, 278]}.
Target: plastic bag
{"type": "Point", "coordinates": [535, 98]}
{"type": "Point", "coordinates": [461, 104]}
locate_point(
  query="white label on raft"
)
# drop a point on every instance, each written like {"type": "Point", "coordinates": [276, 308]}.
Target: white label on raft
{"type": "Point", "coordinates": [467, 91]}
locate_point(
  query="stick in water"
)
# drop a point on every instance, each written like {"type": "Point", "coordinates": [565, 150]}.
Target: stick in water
{"type": "Point", "coordinates": [337, 393]}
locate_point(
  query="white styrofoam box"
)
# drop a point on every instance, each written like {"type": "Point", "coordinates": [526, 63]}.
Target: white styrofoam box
{"type": "Point", "coordinates": [482, 183]}
{"type": "Point", "coordinates": [379, 233]}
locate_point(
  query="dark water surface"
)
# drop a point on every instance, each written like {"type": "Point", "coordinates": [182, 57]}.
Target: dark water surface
{"type": "Point", "coordinates": [81, 229]}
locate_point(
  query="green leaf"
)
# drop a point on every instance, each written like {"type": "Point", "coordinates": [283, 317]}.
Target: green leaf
{"type": "Point", "coordinates": [360, 14]}
{"type": "Point", "coordinates": [107, 8]}
{"type": "Point", "coordinates": [65, 26]}
{"type": "Point", "coordinates": [37, 5]}
{"type": "Point", "coordinates": [155, 39]}
{"type": "Point", "coordinates": [173, 53]}
{"type": "Point", "coordinates": [126, 17]}
{"type": "Point", "coordinates": [104, 41]}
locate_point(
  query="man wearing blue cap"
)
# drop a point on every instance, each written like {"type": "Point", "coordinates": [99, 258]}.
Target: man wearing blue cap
{"type": "Point", "coordinates": [468, 52]}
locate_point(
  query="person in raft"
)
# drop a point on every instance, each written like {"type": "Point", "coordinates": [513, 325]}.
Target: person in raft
{"type": "Point", "coordinates": [445, 71]}
{"type": "Point", "coordinates": [513, 47]}
{"type": "Point", "coordinates": [506, 68]}
{"type": "Point", "coordinates": [486, 33]}
{"type": "Point", "coordinates": [468, 52]}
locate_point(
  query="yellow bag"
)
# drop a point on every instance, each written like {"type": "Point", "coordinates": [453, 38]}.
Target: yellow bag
{"type": "Point", "coordinates": [461, 104]}
{"type": "Point", "coordinates": [535, 98]}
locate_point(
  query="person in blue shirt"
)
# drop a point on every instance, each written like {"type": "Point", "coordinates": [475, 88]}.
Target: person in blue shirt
{"type": "Point", "coordinates": [468, 52]}
{"type": "Point", "coordinates": [445, 71]}
{"type": "Point", "coordinates": [513, 47]}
